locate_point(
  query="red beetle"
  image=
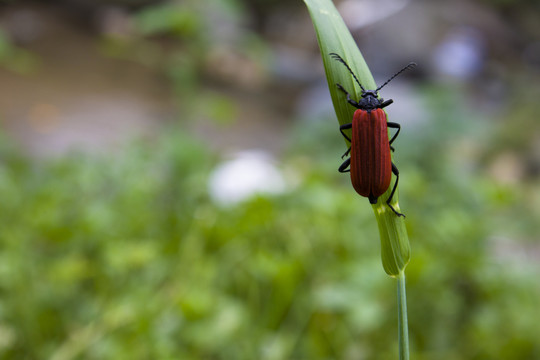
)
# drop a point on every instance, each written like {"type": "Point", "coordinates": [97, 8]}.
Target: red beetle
{"type": "Point", "coordinates": [370, 163]}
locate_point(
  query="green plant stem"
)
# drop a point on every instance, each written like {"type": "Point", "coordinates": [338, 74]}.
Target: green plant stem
{"type": "Point", "coordinates": [403, 327]}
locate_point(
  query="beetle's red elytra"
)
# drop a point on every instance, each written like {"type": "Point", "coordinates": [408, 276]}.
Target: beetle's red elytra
{"type": "Point", "coordinates": [370, 162]}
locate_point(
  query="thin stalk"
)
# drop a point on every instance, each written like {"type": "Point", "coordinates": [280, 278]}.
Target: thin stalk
{"type": "Point", "coordinates": [403, 327]}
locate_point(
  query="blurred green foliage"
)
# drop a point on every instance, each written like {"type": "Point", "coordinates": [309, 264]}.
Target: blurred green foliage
{"type": "Point", "coordinates": [125, 256]}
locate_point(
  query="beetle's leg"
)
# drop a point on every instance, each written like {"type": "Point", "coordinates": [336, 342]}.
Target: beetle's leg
{"type": "Point", "coordinates": [349, 100]}
{"type": "Point", "coordinates": [343, 166]}
{"type": "Point", "coordinates": [386, 103]}
{"type": "Point", "coordinates": [346, 152]}
{"type": "Point", "coordinates": [394, 125]}
{"type": "Point", "coordinates": [395, 171]}
{"type": "Point", "coordinates": [345, 127]}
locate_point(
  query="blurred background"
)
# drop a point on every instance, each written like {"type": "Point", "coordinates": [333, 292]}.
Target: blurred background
{"type": "Point", "coordinates": [169, 184]}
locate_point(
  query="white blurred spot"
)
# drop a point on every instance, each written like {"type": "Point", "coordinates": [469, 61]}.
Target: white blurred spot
{"type": "Point", "coordinates": [247, 174]}
{"type": "Point", "coordinates": [359, 14]}
{"type": "Point", "coordinates": [461, 53]}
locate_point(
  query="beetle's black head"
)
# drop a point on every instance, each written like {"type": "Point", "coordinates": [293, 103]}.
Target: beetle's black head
{"type": "Point", "coordinates": [370, 100]}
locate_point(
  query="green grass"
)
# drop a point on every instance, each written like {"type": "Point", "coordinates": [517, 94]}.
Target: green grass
{"type": "Point", "coordinates": [336, 42]}
{"type": "Point", "coordinates": [126, 257]}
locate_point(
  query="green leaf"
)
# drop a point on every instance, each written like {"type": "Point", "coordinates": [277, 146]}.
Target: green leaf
{"type": "Point", "coordinates": [395, 247]}
{"type": "Point", "coordinates": [334, 37]}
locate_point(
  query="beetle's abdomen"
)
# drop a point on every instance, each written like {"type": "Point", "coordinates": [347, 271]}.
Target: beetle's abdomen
{"type": "Point", "coordinates": [371, 162]}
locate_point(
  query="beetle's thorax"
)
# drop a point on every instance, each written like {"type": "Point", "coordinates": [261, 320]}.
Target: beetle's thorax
{"type": "Point", "coordinates": [369, 100]}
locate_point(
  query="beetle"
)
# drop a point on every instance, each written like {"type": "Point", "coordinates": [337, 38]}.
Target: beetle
{"type": "Point", "coordinates": [370, 162]}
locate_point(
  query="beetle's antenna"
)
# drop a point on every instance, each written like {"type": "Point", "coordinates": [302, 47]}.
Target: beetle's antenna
{"type": "Point", "coordinates": [338, 58]}
{"type": "Point", "coordinates": [409, 66]}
